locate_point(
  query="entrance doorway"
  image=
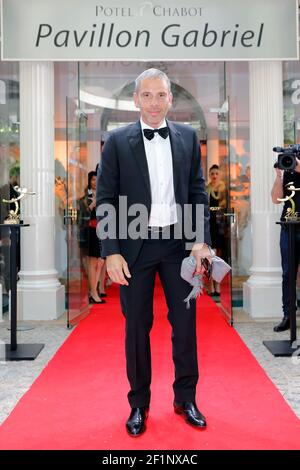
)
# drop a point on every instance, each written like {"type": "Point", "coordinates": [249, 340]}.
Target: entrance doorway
{"type": "Point", "coordinates": [104, 102]}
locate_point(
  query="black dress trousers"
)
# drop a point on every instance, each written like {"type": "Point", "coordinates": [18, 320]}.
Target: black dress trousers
{"type": "Point", "coordinates": [165, 257]}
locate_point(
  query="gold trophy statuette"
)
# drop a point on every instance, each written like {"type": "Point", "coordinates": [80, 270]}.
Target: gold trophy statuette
{"type": "Point", "coordinates": [14, 217]}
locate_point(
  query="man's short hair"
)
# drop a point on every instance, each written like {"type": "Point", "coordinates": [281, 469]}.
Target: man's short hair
{"type": "Point", "coordinates": [151, 73]}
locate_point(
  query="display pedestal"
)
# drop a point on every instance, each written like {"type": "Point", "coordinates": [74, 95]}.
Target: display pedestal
{"type": "Point", "coordinates": [15, 351]}
{"type": "Point", "coordinates": [286, 348]}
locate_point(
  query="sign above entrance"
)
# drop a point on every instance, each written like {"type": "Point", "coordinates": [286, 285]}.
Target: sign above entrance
{"type": "Point", "coordinates": [149, 30]}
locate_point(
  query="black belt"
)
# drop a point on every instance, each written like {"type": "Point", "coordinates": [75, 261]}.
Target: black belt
{"type": "Point", "coordinates": [157, 231]}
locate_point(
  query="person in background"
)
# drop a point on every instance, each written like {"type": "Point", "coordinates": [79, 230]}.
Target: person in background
{"type": "Point", "coordinates": [280, 191]}
{"type": "Point", "coordinates": [83, 220]}
{"type": "Point", "coordinates": [95, 262]}
{"type": "Point", "coordinates": [240, 196]}
{"type": "Point", "coordinates": [216, 191]}
{"type": "Point", "coordinates": [103, 274]}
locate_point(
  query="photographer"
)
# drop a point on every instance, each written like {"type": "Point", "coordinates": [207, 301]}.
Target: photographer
{"type": "Point", "coordinates": [280, 191]}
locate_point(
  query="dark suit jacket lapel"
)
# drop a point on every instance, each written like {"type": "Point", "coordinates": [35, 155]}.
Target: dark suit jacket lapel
{"type": "Point", "coordinates": [136, 143]}
{"type": "Point", "coordinates": [177, 147]}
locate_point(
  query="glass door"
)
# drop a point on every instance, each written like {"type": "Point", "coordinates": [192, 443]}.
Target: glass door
{"type": "Point", "coordinates": [9, 170]}
{"type": "Point", "coordinates": [225, 217]}
{"type": "Point", "coordinates": [199, 100]}
{"type": "Point", "coordinates": [75, 214]}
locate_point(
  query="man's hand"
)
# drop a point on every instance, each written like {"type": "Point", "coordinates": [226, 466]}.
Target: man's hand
{"type": "Point", "coordinates": [116, 268]}
{"type": "Point", "coordinates": [199, 251]}
{"type": "Point", "coordinates": [279, 173]}
{"type": "Point", "coordinates": [277, 189]}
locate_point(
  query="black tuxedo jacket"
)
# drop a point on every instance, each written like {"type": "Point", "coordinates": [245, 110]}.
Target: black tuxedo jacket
{"type": "Point", "coordinates": [123, 171]}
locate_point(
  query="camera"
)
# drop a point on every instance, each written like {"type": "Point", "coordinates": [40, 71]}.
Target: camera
{"type": "Point", "coordinates": [287, 157]}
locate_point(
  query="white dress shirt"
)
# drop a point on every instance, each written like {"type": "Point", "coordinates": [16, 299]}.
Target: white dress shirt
{"type": "Point", "coordinates": [159, 159]}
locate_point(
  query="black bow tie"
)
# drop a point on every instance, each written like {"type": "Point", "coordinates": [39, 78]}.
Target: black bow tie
{"type": "Point", "coordinates": [149, 133]}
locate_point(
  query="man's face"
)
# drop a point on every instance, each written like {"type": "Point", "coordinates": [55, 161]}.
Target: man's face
{"type": "Point", "coordinates": [154, 101]}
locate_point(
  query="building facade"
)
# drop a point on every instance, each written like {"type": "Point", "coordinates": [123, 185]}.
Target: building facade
{"type": "Point", "coordinates": [54, 118]}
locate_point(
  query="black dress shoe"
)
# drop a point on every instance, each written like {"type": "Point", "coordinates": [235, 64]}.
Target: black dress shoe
{"type": "Point", "coordinates": [136, 423]}
{"type": "Point", "coordinates": [191, 413]}
{"type": "Point", "coordinates": [283, 325]}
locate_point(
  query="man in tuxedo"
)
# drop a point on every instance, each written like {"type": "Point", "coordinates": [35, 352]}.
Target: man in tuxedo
{"type": "Point", "coordinates": [154, 163]}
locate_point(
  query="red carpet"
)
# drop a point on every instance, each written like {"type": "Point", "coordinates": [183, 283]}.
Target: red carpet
{"type": "Point", "coordinates": [79, 400]}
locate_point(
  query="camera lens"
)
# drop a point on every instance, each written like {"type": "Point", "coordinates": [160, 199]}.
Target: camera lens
{"type": "Point", "coordinates": [286, 162]}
